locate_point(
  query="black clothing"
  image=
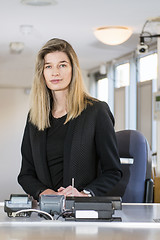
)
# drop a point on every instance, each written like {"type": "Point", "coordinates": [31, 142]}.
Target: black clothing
{"type": "Point", "coordinates": [55, 147]}
{"type": "Point", "coordinates": [90, 154]}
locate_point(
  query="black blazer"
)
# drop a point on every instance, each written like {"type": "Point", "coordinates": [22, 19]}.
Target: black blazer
{"type": "Point", "coordinates": [90, 154]}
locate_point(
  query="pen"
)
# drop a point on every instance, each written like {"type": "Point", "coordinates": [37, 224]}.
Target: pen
{"type": "Point", "coordinates": [72, 185]}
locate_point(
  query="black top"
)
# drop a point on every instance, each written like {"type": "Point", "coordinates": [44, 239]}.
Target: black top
{"type": "Point", "coordinates": [55, 148]}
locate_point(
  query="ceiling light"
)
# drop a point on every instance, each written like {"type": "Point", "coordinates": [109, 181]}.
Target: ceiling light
{"type": "Point", "coordinates": [155, 19]}
{"type": "Point", "coordinates": [39, 2]}
{"type": "Point", "coordinates": [26, 29]}
{"type": "Point", "coordinates": [113, 35]}
{"type": "Point", "coordinates": [16, 47]}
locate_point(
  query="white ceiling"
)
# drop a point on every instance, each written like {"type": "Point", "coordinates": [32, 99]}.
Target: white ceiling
{"type": "Point", "coordinates": [74, 21]}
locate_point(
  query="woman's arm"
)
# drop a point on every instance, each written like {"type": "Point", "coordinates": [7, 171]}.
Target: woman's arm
{"type": "Point", "coordinates": [27, 177]}
{"type": "Point", "coordinates": [107, 152]}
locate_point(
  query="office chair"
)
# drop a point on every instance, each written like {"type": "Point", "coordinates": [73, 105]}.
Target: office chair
{"type": "Point", "coordinates": [136, 185]}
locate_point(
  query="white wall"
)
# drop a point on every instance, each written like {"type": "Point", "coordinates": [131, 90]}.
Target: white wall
{"type": "Point", "coordinates": [13, 111]}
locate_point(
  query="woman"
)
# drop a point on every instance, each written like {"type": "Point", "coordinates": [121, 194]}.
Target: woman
{"type": "Point", "coordinates": [68, 135]}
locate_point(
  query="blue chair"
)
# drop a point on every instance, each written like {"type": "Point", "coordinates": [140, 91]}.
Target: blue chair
{"type": "Point", "coordinates": [136, 185]}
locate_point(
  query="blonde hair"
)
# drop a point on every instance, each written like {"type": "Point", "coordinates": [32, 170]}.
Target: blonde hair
{"type": "Point", "coordinates": [41, 97]}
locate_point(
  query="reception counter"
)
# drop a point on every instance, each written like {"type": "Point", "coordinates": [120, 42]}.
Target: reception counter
{"type": "Point", "coordinates": [139, 221]}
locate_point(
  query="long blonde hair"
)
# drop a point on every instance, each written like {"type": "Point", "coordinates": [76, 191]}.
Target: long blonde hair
{"type": "Point", "coordinates": [41, 97]}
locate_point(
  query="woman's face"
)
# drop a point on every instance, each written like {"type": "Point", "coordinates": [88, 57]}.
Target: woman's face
{"type": "Point", "coordinates": [57, 71]}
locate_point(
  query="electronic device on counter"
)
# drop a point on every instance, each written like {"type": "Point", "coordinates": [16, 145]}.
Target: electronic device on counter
{"type": "Point", "coordinates": [93, 208]}
{"type": "Point", "coordinates": [52, 204]}
{"type": "Point", "coordinates": [54, 207]}
{"type": "Point", "coordinates": [18, 202]}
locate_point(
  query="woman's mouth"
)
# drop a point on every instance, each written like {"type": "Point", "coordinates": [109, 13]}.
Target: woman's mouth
{"type": "Point", "coordinates": [55, 81]}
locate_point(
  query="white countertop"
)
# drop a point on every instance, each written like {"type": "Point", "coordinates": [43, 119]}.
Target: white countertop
{"type": "Point", "coordinates": [138, 222]}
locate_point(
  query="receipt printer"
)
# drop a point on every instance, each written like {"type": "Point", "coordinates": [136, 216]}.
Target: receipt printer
{"type": "Point", "coordinates": [95, 208]}
{"type": "Point", "coordinates": [53, 204]}
{"type": "Point", "coordinates": [18, 202]}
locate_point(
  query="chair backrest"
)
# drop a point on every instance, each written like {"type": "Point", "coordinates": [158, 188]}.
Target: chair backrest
{"type": "Point", "coordinates": [132, 186]}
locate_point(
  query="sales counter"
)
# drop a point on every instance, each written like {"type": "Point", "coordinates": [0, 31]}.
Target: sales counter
{"type": "Point", "coordinates": [138, 222]}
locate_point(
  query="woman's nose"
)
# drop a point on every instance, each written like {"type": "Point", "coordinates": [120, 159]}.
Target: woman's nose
{"type": "Point", "coordinates": [55, 72]}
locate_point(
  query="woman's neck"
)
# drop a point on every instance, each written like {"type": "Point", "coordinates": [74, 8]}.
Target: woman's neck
{"type": "Point", "coordinates": [59, 107]}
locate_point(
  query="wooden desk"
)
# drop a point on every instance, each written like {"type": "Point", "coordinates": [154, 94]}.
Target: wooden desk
{"type": "Point", "coordinates": [137, 223]}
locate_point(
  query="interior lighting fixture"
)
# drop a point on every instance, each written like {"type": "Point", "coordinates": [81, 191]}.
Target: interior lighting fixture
{"type": "Point", "coordinates": [26, 29]}
{"type": "Point", "coordinates": [39, 2]}
{"type": "Point", "coordinates": [16, 47]}
{"type": "Point", "coordinates": [113, 35]}
{"type": "Point", "coordinates": [155, 19]}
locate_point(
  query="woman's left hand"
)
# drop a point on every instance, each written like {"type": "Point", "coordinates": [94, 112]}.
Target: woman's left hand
{"type": "Point", "coordinates": [71, 191]}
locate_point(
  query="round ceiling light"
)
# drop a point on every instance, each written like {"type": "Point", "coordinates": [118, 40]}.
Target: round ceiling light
{"type": "Point", "coordinates": [113, 35]}
{"type": "Point", "coordinates": [38, 2]}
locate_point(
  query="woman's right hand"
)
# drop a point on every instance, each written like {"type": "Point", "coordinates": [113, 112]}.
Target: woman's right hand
{"type": "Point", "coordinates": [48, 192]}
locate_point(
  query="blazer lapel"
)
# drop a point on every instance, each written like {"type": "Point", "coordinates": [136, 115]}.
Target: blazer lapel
{"type": "Point", "coordinates": [72, 146]}
{"type": "Point", "coordinates": [67, 154]}
{"type": "Point", "coordinates": [41, 149]}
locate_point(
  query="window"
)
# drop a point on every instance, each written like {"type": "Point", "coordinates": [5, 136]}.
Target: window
{"type": "Point", "coordinates": [148, 67]}
{"type": "Point", "coordinates": [122, 75]}
{"type": "Point", "coordinates": [147, 85]}
{"type": "Point", "coordinates": [102, 89]}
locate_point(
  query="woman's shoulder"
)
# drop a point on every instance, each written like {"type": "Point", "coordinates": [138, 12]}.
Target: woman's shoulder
{"type": "Point", "coordinates": [100, 109]}
{"type": "Point", "coordinates": [98, 105]}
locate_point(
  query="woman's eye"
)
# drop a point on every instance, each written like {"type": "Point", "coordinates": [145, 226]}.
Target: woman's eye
{"type": "Point", "coordinates": [62, 65]}
{"type": "Point", "coordinates": [47, 66]}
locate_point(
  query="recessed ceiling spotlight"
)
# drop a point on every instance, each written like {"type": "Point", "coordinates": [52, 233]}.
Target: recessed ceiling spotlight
{"type": "Point", "coordinates": [16, 47]}
{"type": "Point", "coordinates": [26, 29]}
{"type": "Point", "coordinates": [38, 2]}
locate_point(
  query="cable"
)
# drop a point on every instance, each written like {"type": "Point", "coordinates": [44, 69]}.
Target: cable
{"type": "Point", "coordinates": [33, 210]}
{"type": "Point", "coordinates": [67, 213]}
{"type": "Point", "coordinates": [144, 26]}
